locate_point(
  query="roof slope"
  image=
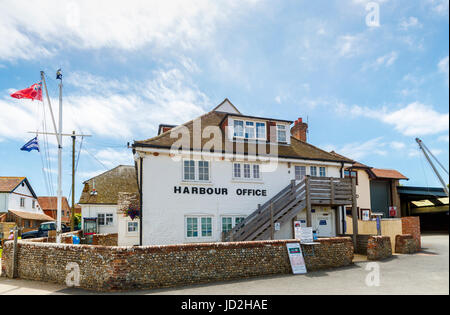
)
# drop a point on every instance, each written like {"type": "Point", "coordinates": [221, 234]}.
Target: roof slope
{"type": "Point", "coordinates": [8, 184]}
{"type": "Point", "coordinates": [50, 203]}
{"type": "Point", "coordinates": [297, 150]}
{"type": "Point", "coordinates": [32, 215]}
{"type": "Point", "coordinates": [109, 184]}
{"type": "Point", "coordinates": [389, 174]}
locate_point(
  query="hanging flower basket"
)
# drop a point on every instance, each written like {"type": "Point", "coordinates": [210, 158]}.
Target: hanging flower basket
{"type": "Point", "coordinates": [132, 211]}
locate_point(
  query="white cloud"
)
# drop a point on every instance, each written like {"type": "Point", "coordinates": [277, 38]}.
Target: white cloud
{"type": "Point", "coordinates": [31, 31]}
{"type": "Point", "coordinates": [349, 45]}
{"type": "Point", "coordinates": [111, 157]}
{"type": "Point", "coordinates": [415, 119]}
{"type": "Point", "coordinates": [396, 145]}
{"type": "Point", "coordinates": [106, 108]}
{"type": "Point", "coordinates": [439, 6]}
{"type": "Point", "coordinates": [385, 60]}
{"type": "Point", "coordinates": [410, 22]}
{"type": "Point", "coordinates": [359, 150]}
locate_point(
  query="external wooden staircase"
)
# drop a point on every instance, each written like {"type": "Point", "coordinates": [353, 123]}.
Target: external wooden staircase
{"type": "Point", "coordinates": [283, 207]}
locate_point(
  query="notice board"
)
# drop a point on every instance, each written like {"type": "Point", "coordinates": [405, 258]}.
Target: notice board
{"type": "Point", "coordinates": [296, 258]}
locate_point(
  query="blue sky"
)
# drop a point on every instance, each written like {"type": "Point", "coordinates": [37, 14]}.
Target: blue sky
{"type": "Point", "coordinates": [366, 91]}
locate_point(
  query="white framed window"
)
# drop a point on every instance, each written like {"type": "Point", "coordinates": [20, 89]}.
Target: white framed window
{"type": "Point", "coordinates": [189, 170]}
{"type": "Point", "coordinates": [239, 128]}
{"type": "Point", "coordinates": [281, 133]}
{"type": "Point", "coordinates": [261, 130]}
{"type": "Point", "coordinates": [313, 170]}
{"type": "Point", "coordinates": [249, 129]}
{"type": "Point", "coordinates": [237, 170]}
{"type": "Point", "coordinates": [256, 174]}
{"type": "Point", "coordinates": [246, 171]}
{"type": "Point", "coordinates": [199, 227]}
{"type": "Point", "coordinates": [322, 171]}
{"type": "Point", "coordinates": [33, 203]}
{"type": "Point", "coordinates": [132, 227]}
{"type": "Point", "coordinates": [300, 172]}
{"type": "Point", "coordinates": [105, 219]}
{"type": "Point", "coordinates": [229, 222]}
{"type": "Point", "coordinates": [196, 170]}
{"type": "Point", "coordinates": [22, 202]}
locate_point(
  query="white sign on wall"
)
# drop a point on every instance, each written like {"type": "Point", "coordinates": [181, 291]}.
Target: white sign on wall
{"type": "Point", "coordinates": [366, 215]}
{"type": "Point", "coordinates": [303, 233]}
{"type": "Point", "coordinates": [296, 258]}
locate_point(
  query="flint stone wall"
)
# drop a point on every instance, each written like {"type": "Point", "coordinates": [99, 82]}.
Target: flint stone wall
{"type": "Point", "coordinates": [105, 268]}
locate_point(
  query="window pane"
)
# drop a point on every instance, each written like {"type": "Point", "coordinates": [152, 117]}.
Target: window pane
{"type": "Point", "coordinates": [237, 170]}
{"type": "Point", "coordinates": [300, 172]}
{"type": "Point", "coordinates": [249, 130]}
{"type": "Point", "coordinates": [203, 170]}
{"type": "Point", "coordinates": [132, 226]}
{"type": "Point", "coordinates": [238, 128]}
{"type": "Point", "coordinates": [189, 170]}
{"type": "Point", "coordinates": [256, 171]}
{"type": "Point", "coordinates": [281, 133]}
{"type": "Point", "coordinates": [191, 229]}
{"type": "Point", "coordinates": [323, 172]}
{"type": "Point", "coordinates": [227, 224]}
{"type": "Point", "coordinates": [206, 227]}
{"type": "Point", "coordinates": [238, 220]}
{"type": "Point", "coordinates": [246, 170]}
{"type": "Point", "coordinates": [260, 130]}
{"type": "Point", "coordinates": [101, 219]}
{"type": "Point", "coordinates": [313, 171]}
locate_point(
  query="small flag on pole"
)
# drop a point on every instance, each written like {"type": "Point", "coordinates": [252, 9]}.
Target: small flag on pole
{"type": "Point", "coordinates": [34, 92]}
{"type": "Point", "coordinates": [31, 145]}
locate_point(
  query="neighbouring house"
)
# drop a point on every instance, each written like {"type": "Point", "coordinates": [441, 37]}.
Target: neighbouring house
{"type": "Point", "coordinates": [213, 177]}
{"type": "Point", "coordinates": [19, 204]}
{"type": "Point", "coordinates": [50, 206]}
{"type": "Point", "coordinates": [377, 189]}
{"type": "Point", "coordinates": [100, 197]}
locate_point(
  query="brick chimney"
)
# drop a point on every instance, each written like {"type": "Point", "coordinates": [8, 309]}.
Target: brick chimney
{"type": "Point", "coordinates": [299, 130]}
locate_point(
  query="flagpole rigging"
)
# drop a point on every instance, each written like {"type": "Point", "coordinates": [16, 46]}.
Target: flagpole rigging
{"type": "Point", "coordinates": [49, 105]}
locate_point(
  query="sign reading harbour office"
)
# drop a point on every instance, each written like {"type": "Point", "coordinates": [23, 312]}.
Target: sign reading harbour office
{"type": "Point", "coordinates": [218, 191]}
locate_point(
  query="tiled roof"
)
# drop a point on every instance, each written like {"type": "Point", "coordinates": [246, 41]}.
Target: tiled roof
{"type": "Point", "coordinates": [297, 150]}
{"type": "Point", "coordinates": [50, 203]}
{"type": "Point", "coordinates": [7, 184]}
{"type": "Point", "coordinates": [109, 184]}
{"type": "Point", "coordinates": [32, 215]}
{"type": "Point", "coordinates": [389, 174]}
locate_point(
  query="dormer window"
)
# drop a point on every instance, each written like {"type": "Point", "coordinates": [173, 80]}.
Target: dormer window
{"type": "Point", "coordinates": [249, 130]}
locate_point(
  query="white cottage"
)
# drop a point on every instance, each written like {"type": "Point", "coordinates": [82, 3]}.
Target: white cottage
{"type": "Point", "coordinates": [200, 180]}
{"type": "Point", "coordinates": [19, 204]}
{"type": "Point", "coordinates": [100, 198]}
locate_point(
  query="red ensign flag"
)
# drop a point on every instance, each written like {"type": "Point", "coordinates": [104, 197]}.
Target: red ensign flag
{"type": "Point", "coordinates": [34, 92]}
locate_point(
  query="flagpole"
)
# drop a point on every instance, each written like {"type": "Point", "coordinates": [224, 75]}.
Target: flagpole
{"type": "Point", "coordinates": [59, 203]}
{"type": "Point", "coordinates": [50, 105]}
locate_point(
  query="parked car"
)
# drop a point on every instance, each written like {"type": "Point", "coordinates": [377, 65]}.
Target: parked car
{"type": "Point", "coordinates": [43, 230]}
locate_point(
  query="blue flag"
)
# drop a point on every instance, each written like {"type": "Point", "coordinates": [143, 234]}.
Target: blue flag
{"type": "Point", "coordinates": [31, 145]}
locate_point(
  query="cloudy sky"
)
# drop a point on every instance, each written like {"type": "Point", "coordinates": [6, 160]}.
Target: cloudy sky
{"type": "Point", "coordinates": [367, 91]}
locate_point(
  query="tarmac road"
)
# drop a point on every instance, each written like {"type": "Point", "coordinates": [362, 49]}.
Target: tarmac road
{"type": "Point", "coordinates": [426, 272]}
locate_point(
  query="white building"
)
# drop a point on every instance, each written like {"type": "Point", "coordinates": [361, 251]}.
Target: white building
{"type": "Point", "coordinates": [202, 178]}
{"type": "Point", "coordinates": [99, 200]}
{"type": "Point", "coordinates": [18, 203]}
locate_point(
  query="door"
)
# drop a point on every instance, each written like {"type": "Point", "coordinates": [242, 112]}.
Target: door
{"type": "Point", "coordinates": [380, 197]}
{"type": "Point", "coordinates": [323, 223]}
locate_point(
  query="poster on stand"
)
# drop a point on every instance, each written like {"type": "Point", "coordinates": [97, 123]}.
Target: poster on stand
{"type": "Point", "coordinates": [296, 258]}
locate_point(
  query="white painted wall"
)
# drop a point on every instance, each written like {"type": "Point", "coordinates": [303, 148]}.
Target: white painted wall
{"type": "Point", "coordinates": [363, 190]}
{"type": "Point", "coordinates": [164, 212]}
{"type": "Point", "coordinates": [23, 192]}
{"type": "Point", "coordinates": [126, 238]}
{"type": "Point", "coordinates": [92, 211]}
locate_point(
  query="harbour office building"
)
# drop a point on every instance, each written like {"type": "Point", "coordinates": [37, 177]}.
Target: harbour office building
{"type": "Point", "coordinates": [202, 179]}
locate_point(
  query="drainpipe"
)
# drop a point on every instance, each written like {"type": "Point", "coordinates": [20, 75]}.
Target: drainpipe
{"type": "Point", "coordinates": [140, 200]}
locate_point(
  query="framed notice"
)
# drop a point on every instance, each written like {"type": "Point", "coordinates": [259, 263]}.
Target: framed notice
{"type": "Point", "coordinates": [296, 258]}
{"type": "Point", "coordinates": [303, 233]}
